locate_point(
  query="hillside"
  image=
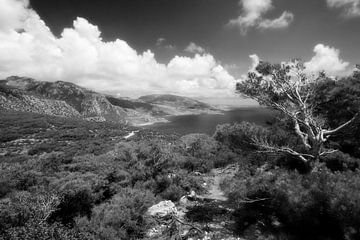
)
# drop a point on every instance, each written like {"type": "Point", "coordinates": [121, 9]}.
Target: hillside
{"type": "Point", "coordinates": [66, 99]}
{"type": "Point", "coordinates": [177, 105]}
{"type": "Point", "coordinates": [57, 99]}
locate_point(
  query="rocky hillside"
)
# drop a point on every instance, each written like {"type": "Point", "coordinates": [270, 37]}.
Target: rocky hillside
{"type": "Point", "coordinates": [57, 99]}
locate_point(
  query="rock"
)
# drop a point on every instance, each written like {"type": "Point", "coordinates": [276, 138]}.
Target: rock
{"type": "Point", "coordinates": [192, 194]}
{"type": "Point", "coordinates": [183, 201]}
{"type": "Point", "coordinates": [189, 199]}
{"type": "Point", "coordinates": [164, 209]}
{"type": "Point", "coordinates": [156, 231]}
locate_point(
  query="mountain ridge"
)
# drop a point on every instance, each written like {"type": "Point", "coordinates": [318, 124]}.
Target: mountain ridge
{"type": "Point", "coordinates": [67, 99]}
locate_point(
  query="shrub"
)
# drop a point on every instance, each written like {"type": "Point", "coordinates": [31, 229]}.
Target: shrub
{"type": "Point", "coordinates": [321, 205]}
{"type": "Point", "coordinates": [339, 161]}
{"type": "Point", "coordinates": [223, 157]}
{"type": "Point", "coordinates": [175, 185]}
{"type": "Point", "coordinates": [41, 148]}
{"type": "Point", "coordinates": [121, 218]}
{"type": "Point", "coordinates": [193, 164]}
{"type": "Point", "coordinates": [25, 179]}
{"type": "Point", "coordinates": [5, 188]}
{"type": "Point", "coordinates": [9, 136]}
{"type": "Point", "coordinates": [78, 194]}
{"type": "Point", "coordinates": [173, 193]}
{"type": "Point", "coordinates": [236, 136]}
{"type": "Point", "coordinates": [50, 162]}
{"type": "Point", "coordinates": [204, 213]}
{"type": "Point", "coordinates": [24, 207]}
{"type": "Point", "coordinates": [43, 231]}
{"type": "Point", "coordinates": [199, 145]}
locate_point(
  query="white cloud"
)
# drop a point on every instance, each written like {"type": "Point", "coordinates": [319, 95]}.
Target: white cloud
{"type": "Point", "coordinates": [281, 22]}
{"type": "Point", "coordinates": [160, 41]}
{"type": "Point", "coordinates": [193, 48]}
{"type": "Point", "coordinates": [80, 56]}
{"type": "Point", "coordinates": [255, 60]}
{"type": "Point", "coordinates": [326, 59]}
{"type": "Point", "coordinates": [252, 16]}
{"type": "Point", "coordinates": [351, 8]}
{"type": "Point", "coordinates": [231, 66]}
{"type": "Point", "coordinates": [12, 14]}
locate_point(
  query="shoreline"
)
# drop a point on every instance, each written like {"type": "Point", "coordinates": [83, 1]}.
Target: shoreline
{"type": "Point", "coordinates": [164, 119]}
{"type": "Point", "coordinates": [187, 113]}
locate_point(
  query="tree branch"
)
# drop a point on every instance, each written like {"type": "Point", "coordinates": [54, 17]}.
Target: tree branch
{"type": "Point", "coordinates": [275, 149]}
{"type": "Point", "coordinates": [329, 132]}
{"type": "Point", "coordinates": [328, 152]}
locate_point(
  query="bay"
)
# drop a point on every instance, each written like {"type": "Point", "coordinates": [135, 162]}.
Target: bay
{"type": "Point", "coordinates": [206, 123]}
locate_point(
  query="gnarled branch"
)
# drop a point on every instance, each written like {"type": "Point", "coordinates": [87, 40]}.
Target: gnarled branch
{"type": "Point", "coordinates": [329, 132]}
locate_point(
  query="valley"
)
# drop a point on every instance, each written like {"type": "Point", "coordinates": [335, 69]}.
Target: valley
{"type": "Point", "coordinates": [65, 99]}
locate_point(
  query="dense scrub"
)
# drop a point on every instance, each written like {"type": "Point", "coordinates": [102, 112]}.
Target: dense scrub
{"type": "Point", "coordinates": [337, 101]}
{"type": "Point", "coordinates": [276, 196]}
{"type": "Point", "coordinates": [71, 179]}
{"type": "Point", "coordinates": [322, 205]}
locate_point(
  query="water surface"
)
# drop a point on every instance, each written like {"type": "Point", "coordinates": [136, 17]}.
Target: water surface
{"type": "Point", "coordinates": [206, 123]}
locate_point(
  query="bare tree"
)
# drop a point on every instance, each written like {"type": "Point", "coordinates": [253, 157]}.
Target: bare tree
{"type": "Point", "coordinates": [287, 88]}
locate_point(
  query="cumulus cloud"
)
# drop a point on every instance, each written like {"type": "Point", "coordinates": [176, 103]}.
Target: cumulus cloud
{"type": "Point", "coordinates": [252, 15]}
{"type": "Point", "coordinates": [12, 14]}
{"type": "Point", "coordinates": [255, 60]}
{"type": "Point", "coordinates": [326, 59]}
{"type": "Point", "coordinates": [281, 22]}
{"type": "Point", "coordinates": [351, 8]}
{"type": "Point", "coordinates": [193, 48]}
{"type": "Point", "coordinates": [161, 43]}
{"type": "Point", "coordinates": [79, 55]}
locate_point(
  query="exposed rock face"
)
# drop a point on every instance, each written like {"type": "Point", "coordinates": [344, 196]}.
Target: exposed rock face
{"type": "Point", "coordinates": [28, 103]}
{"type": "Point", "coordinates": [163, 210]}
{"type": "Point", "coordinates": [58, 99]}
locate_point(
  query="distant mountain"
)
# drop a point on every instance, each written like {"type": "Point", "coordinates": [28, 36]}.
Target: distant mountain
{"type": "Point", "coordinates": [69, 100]}
{"type": "Point", "coordinates": [177, 105]}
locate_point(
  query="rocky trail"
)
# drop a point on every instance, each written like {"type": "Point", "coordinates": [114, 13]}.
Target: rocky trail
{"type": "Point", "coordinates": [213, 181]}
{"type": "Point", "coordinates": [198, 216]}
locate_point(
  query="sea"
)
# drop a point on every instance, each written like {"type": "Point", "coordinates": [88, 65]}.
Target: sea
{"type": "Point", "coordinates": [207, 123]}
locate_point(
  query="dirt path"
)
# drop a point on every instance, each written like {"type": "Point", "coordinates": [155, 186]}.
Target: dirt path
{"type": "Point", "coordinates": [214, 180]}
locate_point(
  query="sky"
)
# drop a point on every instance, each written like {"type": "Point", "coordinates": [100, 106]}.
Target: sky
{"type": "Point", "coordinates": [196, 48]}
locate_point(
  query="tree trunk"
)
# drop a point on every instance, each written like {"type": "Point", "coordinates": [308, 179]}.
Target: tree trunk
{"type": "Point", "coordinates": [316, 163]}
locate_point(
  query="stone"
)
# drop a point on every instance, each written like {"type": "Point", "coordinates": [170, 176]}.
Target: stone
{"type": "Point", "coordinates": [164, 209]}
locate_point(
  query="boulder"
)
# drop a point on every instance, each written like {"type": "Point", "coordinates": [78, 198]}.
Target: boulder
{"type": "Point", "coordinates": [163, 210]}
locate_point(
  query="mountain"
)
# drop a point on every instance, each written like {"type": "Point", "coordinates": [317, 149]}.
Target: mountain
{"type": "Point", "coordinates": [57, 99]}
{"type": "Point", "coordinates": [177, 105]}
{"type": "Point", "coordinates": [66, 99]}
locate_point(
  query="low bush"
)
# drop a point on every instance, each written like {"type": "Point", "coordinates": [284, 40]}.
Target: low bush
{"type": "Point", "coordinates": [339, 161]}
{"type": "Point", "coordinates": [41, 148]}
{"type": "Point", "coordinates": [78, 194]}
{"type": "Point", "coordinates": [121, 218]}
{"type": "Point", "coordinates": [204, 213]}
{"type": "Point", "coordinates": [321, 205]}
{"type": "Point", "coordinates": [43, 231]}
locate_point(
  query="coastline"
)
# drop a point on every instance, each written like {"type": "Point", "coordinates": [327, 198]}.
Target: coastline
{"type": "Point", "coordinates": [145, 122]}
{"type": "Point", "coordinates": [149, 121]}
